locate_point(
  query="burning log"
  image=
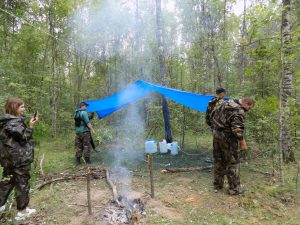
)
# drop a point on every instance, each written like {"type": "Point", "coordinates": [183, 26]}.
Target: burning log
{"type": "Point", "coordinates": [190, 169]}
{"type": "Point", "coordinates": [113, 188]}
{"type": "Point", "coordinates": [126, 210]}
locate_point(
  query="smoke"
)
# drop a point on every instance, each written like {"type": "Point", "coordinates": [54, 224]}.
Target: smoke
{"type": "Point", "coordinates": [121, 34]}
{"type": "Point", "coordinates": [128, 148]}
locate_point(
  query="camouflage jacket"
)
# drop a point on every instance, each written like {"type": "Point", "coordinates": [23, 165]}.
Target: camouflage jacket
{"type": "Point", "coordinates": [16, 143]}
{"type": "Point", "coordinates": [211, 106]}
{"type": "Point", "coordinates": [229, 118]}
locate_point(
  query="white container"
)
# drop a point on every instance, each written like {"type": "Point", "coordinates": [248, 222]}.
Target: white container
{"type": "Point", "coordinates": [150, 146]}
{"type": "Point", "coordinates": [174, 148]}
{"type": "Point", "coordinates": [163, 146]}
{"type": "Point", "coordinates": [169, 146]}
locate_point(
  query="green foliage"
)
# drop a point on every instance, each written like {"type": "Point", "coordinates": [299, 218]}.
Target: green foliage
{"type": "Point", "coordinates": [262, 127]}
{"type": "Point", "coordinates": [201, 46]}
{"type": "Point", "coordinates": [104, 135]}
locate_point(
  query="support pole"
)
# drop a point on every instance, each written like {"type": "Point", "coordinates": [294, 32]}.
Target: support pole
{"type": "Point", "coordinates": [88, 189]}
{"type": "Point", "coordinates": [150, 166]}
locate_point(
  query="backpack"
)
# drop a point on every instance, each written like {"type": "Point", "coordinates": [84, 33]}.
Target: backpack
{"type": "Point", "coordinates": [77, 118]}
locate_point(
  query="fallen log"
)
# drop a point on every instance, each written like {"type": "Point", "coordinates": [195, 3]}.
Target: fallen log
{"type": "Point", "coordinates": [261, 172]}
{"type": "Point", "coordinates": [189, 169]}
{"type": "Point", "coordinates": [95, 173]}
{"type": "Point", "coordinates": [40, 186]}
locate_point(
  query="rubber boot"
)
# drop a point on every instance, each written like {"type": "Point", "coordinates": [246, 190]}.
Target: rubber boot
{"type": "Point", "coordinates": [78, 161]}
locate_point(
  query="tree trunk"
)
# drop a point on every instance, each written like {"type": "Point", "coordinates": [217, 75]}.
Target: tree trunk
{"type": "Point", "coordinates": [54, 94]}
{"type": "Point", "coordinates": [286, 84]}
{"type": "Point", "coordinates": [242, 58]}
{"type": "Point", "coordinates": [159, 36]}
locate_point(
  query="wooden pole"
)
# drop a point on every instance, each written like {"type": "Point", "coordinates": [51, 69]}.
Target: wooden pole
{"type": "Point", "coordinates": [150, 166]}
{"type": "Point", "coordinates": [88, 188]}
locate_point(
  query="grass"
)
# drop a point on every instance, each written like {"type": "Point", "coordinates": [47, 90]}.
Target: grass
{"type": "Point", "coordinates": [182, 198]}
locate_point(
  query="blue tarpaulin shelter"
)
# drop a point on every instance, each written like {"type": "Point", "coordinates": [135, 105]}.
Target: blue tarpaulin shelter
{"type": "Point", "coordinates": [139, 89]}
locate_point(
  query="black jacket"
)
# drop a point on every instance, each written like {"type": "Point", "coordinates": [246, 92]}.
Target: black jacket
{"type": "Point", "coordinates": [16, 143]}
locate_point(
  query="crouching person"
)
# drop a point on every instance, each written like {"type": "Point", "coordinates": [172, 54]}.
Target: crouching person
{"type": "Point", "coordinates": [16, 156]}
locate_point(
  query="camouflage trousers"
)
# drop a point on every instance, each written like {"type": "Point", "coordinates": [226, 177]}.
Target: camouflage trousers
{"type": "Point", "coordinates": [18, 178]}
{"type": "Point", "coordinates": [82, 145]}
{"type": "Point", "coordinates": [226, 160]}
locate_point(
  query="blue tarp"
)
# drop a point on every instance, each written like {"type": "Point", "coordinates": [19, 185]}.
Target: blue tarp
{"type": "Point", "coordinates": [139, 89]}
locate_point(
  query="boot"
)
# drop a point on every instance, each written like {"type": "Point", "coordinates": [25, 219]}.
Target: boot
{"type": "Point", "coordinates": [78, 161]}
{"type": "Point", "coordinates": [87, 160]}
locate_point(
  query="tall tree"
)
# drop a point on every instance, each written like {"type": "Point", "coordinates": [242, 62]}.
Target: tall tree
{"type": "Point", "coordinates": [242, 58]}
{"type": "Point", "coordinates": [159, 36]}
{"type": "Point", "coordinates": [286, 83]}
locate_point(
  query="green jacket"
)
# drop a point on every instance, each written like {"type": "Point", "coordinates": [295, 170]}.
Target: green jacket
{"type": "Point", "coordinates": [84, 121]}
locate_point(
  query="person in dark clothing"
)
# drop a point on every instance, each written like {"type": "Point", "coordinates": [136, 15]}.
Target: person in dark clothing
{"type": "Point", "coordinates": [228, 139]}
{"type": "Point", "coordinates": [16, 156]}
{"type": "Point", "coordinates": [83, 135]}
{"type": "Point", "coordinates": [213, 103]}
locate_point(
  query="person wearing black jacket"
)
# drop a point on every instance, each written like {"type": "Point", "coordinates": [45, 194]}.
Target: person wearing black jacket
{"type": "Point", "coordinates": [16, 156]}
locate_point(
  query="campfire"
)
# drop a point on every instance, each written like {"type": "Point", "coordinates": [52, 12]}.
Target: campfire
{"type": "Point", "coordinates": [122, 209]}
{"type": "Point", "coordinates": [125, 211]}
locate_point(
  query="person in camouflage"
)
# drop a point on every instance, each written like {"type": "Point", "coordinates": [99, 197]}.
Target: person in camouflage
{"type": "Point", "coordinates": [16, 155]}
{"type": "Point", "coordinates": [228, 140]}
{"type": "Point", "coordinates": [83, 135]}
{"type": "Point", "coordinates": [213, 103]}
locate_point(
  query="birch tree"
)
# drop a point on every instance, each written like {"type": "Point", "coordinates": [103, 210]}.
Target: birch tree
{"type": "Point", "coordinates": [286, 84]}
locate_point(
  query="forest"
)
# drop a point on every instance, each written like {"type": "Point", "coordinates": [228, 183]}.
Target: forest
{"type": "Point", "coordinates": [58, 53]}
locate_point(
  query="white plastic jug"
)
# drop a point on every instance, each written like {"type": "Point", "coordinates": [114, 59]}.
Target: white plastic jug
{"type": "Point", "coordinates": [174, 148]}
{"type": "Point", "coordinates": [169, 146]}
{"type": "Point", "coordinates": [163, 147]}
{"type": "Point", "coordinates": [150, 146]}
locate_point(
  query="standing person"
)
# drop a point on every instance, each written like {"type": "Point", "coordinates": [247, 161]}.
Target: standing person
{"type": "Point", "coordinates": [228, 139]}
{"type": "Point", "coordinates": [213, 103]}
{"type": "Point", "coordinates": [16, 155]}
{"type": "Point", "coordinates": [83, 135]}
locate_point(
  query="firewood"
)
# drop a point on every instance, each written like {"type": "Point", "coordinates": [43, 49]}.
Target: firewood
{"type": "Point", "coordinates": [113, 188]}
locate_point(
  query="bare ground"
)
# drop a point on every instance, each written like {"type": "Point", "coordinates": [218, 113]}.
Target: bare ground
{"type": "Point", "coordinates": [182, 198]}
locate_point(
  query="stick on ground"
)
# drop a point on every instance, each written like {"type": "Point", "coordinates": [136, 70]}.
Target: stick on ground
{"type": "Point", "coordinates": [189, 169]}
